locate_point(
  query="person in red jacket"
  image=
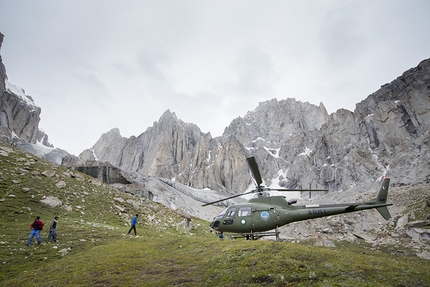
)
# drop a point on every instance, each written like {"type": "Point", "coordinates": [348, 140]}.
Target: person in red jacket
{"type": "Point", "coordinates": [36, 227]}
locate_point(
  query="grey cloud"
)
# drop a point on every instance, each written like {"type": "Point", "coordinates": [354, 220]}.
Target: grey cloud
{"type": "Point", "coordinates": [343, 36]}
{"type": "Point", "coordinates": [154, 63]}
{"type": "Point", "coordinates": [256, 72]}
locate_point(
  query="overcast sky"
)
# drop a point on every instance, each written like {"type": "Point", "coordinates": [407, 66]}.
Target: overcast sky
{"type": "Point", "coordinates": [96, 65]}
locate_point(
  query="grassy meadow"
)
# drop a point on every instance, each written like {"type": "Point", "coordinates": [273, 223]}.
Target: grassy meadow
{"type": "Point", "coordinates": [93, 248]}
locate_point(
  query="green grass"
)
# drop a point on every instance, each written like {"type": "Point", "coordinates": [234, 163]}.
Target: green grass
{"type": "Point", "coordinates": [93, 250]}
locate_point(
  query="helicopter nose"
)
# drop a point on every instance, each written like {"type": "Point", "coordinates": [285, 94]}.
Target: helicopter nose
{"type": "Point", "coordinates": [215, 224]}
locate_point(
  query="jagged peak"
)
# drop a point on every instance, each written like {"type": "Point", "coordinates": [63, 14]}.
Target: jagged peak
{"type": "Point", "coordinates": [114, 131]}
{"type": "Point", "coordinates": [168, 114]}
{"type": "Point", "coordinates": [113, 134]}
{"type": "Point", "coordinates": [170, 118]}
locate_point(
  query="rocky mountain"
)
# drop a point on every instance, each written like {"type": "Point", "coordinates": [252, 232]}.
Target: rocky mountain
{"type": "Point", "coordinates": [19, 120]}
{"type": "Point", "coordinates": [178, 151]}
{"type": "Point", "coordinates": [298, 145]}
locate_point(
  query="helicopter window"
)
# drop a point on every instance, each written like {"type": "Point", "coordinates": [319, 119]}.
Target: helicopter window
{"type": "Point", "coordinates": [245, 211]}
{"type": "Point", "coordinates": [223, 212]}
{"type": "Point", "coordinates": [228, 222]}
{"type": "Point", "coordinates": [231, 212]}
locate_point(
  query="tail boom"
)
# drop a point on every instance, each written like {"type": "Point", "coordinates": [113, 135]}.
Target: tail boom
{"type": "Point", "coordinates": [380, 203]}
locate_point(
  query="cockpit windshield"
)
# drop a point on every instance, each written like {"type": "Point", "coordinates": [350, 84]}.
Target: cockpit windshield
{"type": "Point", "coordinates": [222, 213]}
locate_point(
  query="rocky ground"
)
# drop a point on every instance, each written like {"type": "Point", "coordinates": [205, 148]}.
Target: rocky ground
{"type": "Point", "coordinates": [406, 232]}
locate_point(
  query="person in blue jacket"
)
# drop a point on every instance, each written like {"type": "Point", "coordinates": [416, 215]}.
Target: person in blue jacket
{"type": "Point", "coordinates": [133, 225]}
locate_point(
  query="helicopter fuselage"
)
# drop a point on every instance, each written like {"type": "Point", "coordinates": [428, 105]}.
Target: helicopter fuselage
{"type": "Point", "coordinates": [267, 213]}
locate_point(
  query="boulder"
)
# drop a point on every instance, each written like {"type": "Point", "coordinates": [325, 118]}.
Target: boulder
{"type": "Point", "coordinates": [51, 201]}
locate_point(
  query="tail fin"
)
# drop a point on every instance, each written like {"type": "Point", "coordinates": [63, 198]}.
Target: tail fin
{"type": "Point", "coordinates": [383, 191]}
{"type": "Point", "coordinates": [382, 198]}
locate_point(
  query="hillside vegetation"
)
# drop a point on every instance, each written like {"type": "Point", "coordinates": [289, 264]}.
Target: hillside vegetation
{"type": "Point", "coordinates": [94, 250]}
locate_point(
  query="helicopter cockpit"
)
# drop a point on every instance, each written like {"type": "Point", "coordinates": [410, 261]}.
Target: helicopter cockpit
{"type": "Point", "coordinates": [227, 216]}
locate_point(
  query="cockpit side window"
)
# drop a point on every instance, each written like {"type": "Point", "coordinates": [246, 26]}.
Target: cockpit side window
{"type": "Point", "coordinates": [245, 211]}
{"type": "Point", "coordinates": [231, 212]}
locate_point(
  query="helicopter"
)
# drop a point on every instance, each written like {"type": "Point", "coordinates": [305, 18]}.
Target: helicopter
{"type": "Point", "coordinates": [264, 213]}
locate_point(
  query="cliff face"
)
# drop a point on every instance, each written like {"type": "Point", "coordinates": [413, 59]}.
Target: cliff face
{"type": "Point", "coordinates": [175, 150]}
{"type": "Point", "coordinates": [19, 115]}
{"type": "Point", "coordinates": [297, 145]}
{"type": "Point", "coordinates": [388, 133]}
{"type": "Point", "coordinates": [3, 76]}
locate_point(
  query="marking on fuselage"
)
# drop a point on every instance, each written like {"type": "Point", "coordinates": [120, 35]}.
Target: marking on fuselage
{"type": "Point", "coordinates": [317, 211]}
{"type": "Point", "coordinates": [243, 221]}
{"type": "Point", "coordinates": [312, 205]}
{"type": "Point", "coordinates": [265, 215]}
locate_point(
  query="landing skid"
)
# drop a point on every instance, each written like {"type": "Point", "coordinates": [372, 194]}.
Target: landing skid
{"type": "Point", "coordinates": [256, 235]}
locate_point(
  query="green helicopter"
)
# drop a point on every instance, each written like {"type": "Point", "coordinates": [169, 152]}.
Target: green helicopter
{"type": "Point", "coordinates": [264, 213]}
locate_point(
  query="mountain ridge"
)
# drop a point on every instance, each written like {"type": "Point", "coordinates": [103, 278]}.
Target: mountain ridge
{"type": "Point", "coordinates": [297, 145]}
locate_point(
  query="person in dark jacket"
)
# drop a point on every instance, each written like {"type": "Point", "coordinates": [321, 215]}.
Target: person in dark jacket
{"type": "Point", "coordinates": [36, 227]}
{"type": "Point", "coordinates": [53, 230]}
{"type": "Point", "coordinates": [133, 225]}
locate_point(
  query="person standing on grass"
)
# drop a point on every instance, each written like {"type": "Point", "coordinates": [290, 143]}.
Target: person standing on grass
{"type": "Point", "coordinates": [53, 230]}
{"type": "Point", "coordinates": [133, 225]}
{"type": "Point", "coordinates": [36, 227]}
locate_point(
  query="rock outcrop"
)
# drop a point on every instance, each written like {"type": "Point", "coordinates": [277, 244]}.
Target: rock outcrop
{"type": "Point", "coordinates": [105, 172]}
{"type": "Point", "coordinates": [3, 76]}
{"type": "Point", "coordinates": [175, 150]}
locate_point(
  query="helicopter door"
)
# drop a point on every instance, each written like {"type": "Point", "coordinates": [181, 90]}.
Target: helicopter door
{"type": "Point", "coordinates": [260, 219]}
{"type": "Point", "coordinates": [229, 216]}
{"type": "Point", "coordinates": [244, 216]}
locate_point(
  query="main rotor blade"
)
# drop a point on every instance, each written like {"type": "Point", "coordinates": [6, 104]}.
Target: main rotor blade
{"type": "Point", "coordinates": [254, 168]}
{"type": "Point", "coordinates": [282, 189]}
{"type": "Point", "coordinates": [227, 198]}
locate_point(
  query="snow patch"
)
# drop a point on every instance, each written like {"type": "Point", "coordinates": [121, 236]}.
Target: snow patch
{"type": "Point", "coordinates": [94, 154]}
{"type": "Point", "coordinates": [18, 91]}
{"type": "Point", "coordinates": [273, 151]}
{"type": "Point", "coordinates": [258, 139]}
{"type": "Point", "coordinates": [307, 152]}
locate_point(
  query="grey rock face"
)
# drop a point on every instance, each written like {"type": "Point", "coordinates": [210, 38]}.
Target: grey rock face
{"type": "Point", "coordinates": [176, 150]}
{"type": "Point", "coordinates": [104, 172]}
{"type": "Point", "coordinates": [3, 76]}
{"type": "Point", "coordinates": [19, 115]}
{"type": "Point", "coordinates": [274, 122]}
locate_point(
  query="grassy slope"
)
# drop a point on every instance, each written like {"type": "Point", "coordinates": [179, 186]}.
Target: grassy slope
{"type": "Point", "coordinates": [99, 254]}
